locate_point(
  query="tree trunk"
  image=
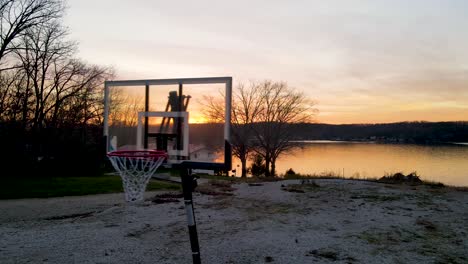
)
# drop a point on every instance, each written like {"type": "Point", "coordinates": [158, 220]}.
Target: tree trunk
{"type": "Point", "coordinates": [25, 107]}
{"type": "Point", "coordinates": [244, 167]}
{"type": "Point", "coordinates": [273, 167]}
{"type": "Point", "coordinates": [267, 166]}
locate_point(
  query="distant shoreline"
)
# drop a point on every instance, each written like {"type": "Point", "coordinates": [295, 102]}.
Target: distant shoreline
{"type": "Point", "coordinates": [331, 141]}
{"type": "Point", "coordinates": [321, 141]}
{"type": "Point", "coordinates": [459, 143]}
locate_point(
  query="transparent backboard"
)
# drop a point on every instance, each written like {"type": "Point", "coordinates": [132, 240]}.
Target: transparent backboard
{"type": "Point", "coordinates": [188, 118]}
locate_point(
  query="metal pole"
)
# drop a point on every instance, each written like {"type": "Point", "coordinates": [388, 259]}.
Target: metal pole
{"type": "Point", "coordinates": [188, 184]}
{"type": "Point", "coordinates": [178, 122]}
{"type": "Point", "coordinates": [145, 137]}
{"type": "Point", "coordinates": [227, 127]}
{"type": "Point", "coordinates": [106, 116]}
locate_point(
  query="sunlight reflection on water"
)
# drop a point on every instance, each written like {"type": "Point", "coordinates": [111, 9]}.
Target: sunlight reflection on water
{"type": "Point", "coordinates": [443, 163]}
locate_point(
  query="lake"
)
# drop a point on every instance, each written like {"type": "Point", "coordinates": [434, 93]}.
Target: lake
{"type": "Point", "coordinates": [443, 163]}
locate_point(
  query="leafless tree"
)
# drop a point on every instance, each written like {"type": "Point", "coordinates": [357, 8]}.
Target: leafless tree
{"type": "Point", "coordinates": [123, 108]}
{"type": "Point", "coordinates": [19, 16]}
{"type": "Point", "coordinates": [262, 116]}
{"type": "Point", "coordinates": [51, 88]}
{"type": "Point", "coordinates": [245, 108]}
{"type": "Point", "coordinates": [281, 107]}
{"type": "Point", "coordinates": [11, 95]}
{"type": "Point", "coordinates": [49, 99]}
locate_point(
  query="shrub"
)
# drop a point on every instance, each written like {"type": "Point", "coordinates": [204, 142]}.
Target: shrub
{"type": "Point", "coordinates": [399, 177]}
{"type": "Point", "coordinates": [258, 166]}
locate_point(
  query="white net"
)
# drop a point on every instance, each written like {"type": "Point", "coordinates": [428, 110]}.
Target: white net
{"type": "Point", "coordinates": [135, 173]}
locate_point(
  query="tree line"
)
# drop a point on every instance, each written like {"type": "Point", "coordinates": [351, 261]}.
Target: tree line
{"type": "Point", "coordinates": [48, 96]}
{"type": "Point", "coordinates": [402, 132]}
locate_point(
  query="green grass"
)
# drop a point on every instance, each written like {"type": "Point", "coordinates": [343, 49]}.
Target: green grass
{"type": "Point", "coordinates": [44, 187]}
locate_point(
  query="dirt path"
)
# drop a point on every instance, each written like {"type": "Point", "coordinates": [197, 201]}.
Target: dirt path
{"type": "Point", "coordinates": [281, 222]}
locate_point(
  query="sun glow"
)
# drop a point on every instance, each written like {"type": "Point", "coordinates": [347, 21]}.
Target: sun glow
{"type": "Point", "coordinates": [197, 119]}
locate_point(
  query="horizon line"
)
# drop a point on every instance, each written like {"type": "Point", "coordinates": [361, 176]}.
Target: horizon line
{"type": "Point", "coordinates": [338, 124]}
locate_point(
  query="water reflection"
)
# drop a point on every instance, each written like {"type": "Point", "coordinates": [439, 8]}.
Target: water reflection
{"type": "Point", "coordinates": [444, 163]}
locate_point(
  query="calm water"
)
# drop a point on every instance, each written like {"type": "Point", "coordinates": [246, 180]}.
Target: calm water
{"type": "Point", "coordinates": [443, 163]}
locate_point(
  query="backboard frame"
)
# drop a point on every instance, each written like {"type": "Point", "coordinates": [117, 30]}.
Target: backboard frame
{"type": "Point", "coordinates": [185, 115]}
{"type": "Point", "coordinates": [227, 81]}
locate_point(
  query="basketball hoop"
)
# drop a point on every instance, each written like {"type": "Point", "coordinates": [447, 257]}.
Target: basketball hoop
{"type": "Point", "coordinates": [166, 129]}
{"type": "Point", "coordinates": [136, 167]}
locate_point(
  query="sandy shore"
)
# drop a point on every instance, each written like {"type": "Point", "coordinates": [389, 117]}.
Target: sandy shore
{"type": "Point", "coordinates": [338, 221]}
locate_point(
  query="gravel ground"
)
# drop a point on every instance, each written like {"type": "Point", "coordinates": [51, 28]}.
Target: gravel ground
{"type": "Point", "coordinates": [323, 221]}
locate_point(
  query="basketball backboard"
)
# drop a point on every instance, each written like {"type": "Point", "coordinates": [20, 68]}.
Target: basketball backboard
{"type": "Point", "coordinates": [174, 115]}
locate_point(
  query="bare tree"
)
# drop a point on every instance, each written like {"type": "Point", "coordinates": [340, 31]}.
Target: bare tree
{"type": "Point", "coordinates": [262, 116]}
{"type": "Point", "coordinates": [11, 95]}
{"type": "Point", "coordinates": [49, 99]}
{"type": "Point", "coordinates": [281, 106]}
{"type": "Point", "coordinates": [245, 108]}
{"type": "Point", "coordinates": [123, 108]}
{"type": "Point", "coordinates": [244, 112]}
{"type": "Point", "coordinates": [55, 88]}
{"type": "Point", "coordinates": [18, 16]}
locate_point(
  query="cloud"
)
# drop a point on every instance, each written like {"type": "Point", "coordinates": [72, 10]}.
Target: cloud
{"type": "Point", "coordinates": [366, 60]}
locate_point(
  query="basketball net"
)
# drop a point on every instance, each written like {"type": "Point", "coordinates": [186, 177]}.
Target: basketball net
{"type": "Point", "coordinates": [136, 168]}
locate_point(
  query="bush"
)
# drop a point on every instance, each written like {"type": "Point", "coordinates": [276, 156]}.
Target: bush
{"type": "Point", "coordinates": [258, 166]}
{"type": "Point", "coordinates": [65, 151]}
{"type": "Point", "coordinates": [399, 177]}
{"type": "Point", "coordinates": [290, 172]}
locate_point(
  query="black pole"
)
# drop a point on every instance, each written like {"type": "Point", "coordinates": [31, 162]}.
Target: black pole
{"type": "Point", "coordinates": [145, 137]}
{"type": "Point", "coordinates": [179, 139]}
{"type": "Point", "coordinates": [188, 184]}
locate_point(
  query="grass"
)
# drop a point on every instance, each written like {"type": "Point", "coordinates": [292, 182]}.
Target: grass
{"type": "Point", "coordinates": [301, 188]}
{"type": "Point", "coordinates": [45, 187]}
{"type": "Point", "coordinates": [250, 179]}
{"type": "Point", "coordinates": [296, 176]}
{"type": "Point", "coordinates": [324, 175]}
{"type": "Point", "coordinates": [216, 187]}
{"type": "Point", "coordinates": [397, 178]}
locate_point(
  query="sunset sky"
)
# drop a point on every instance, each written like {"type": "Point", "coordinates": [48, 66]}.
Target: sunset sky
{"type": "Point", "coordinates": [361, 61]}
